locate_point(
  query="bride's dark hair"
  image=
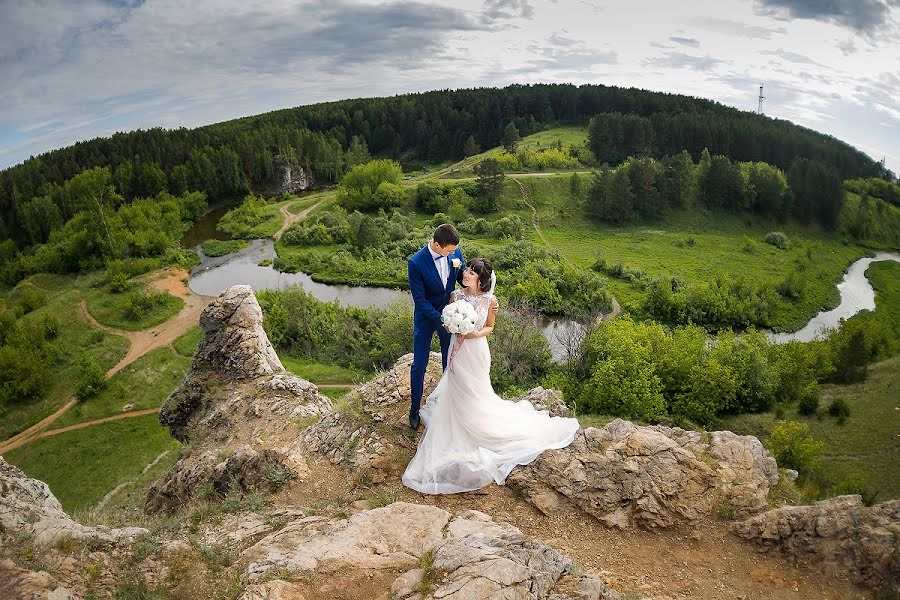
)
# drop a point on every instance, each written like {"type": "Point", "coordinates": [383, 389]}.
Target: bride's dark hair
{"type": "Point", "coordinates": [483, 268]}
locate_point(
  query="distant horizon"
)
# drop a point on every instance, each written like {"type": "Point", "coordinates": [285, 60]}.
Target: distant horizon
{"type": "Point", "coordinates": [451, 89]}
{"type": "Point", "coordinates": [73, 73]}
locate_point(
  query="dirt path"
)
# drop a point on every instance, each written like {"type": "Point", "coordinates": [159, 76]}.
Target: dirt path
{"type": "Point", "coordinates": [23, 436]}
{"type": "Point", "coordinates": [290, 218]}
{"type": "Point", "coordinates": [140, 343]}
{"type": "Point", "coordinates": [616, 307]}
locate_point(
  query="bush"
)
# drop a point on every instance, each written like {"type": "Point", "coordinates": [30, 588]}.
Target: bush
{"type": "Point", "coordinates": [839, 408]}
{"type": "Point", "coordinates": [793, 447]}
{"type": "Point", "coordinates": [809, 405]}
{"type": "Point", "coordinates": [520, 355]}
{"type": "Point", "coordinates": [430, 196]}
{"type": "Point", "coordinates": [777, 239]}
{"type": "Point", "coordinates": [362, 186]}
{"type": "Point", "coordinates": [510, 227]}
{"type": "Point", "coordinates": [91, 378]}
{"type": "Point", "coordinates": [28, 298]}
{"type": "Point", "coordinates": [140, 303]}
{"type": "Point", "coordinates": [239, 222]}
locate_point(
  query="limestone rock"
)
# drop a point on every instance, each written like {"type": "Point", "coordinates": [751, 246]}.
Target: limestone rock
{"type": "Point", "coordinates": [237, 407]}
{"type": "Point", "coordinates": [383, 538]}
{"type": "Point", "coordinates": [622, 474]}
{"type": "Point", "coordinates": [357, 441]}
{"type": "Point", "coordinates": [464, 556]}
{"type": "Point", "coordinates": [290, 177]}
{"type": "Point", "coordinates": [549, 400]}
{"type": "Point", "coordinates": [861, 541]}
{"type": "Point", "coordinates": [28, 506]}
{"type": "Point", "coordinates": [744, 468]}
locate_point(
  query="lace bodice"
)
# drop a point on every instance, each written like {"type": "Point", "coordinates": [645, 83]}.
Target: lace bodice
{"type": "Point", "coordinates": [481, 303]}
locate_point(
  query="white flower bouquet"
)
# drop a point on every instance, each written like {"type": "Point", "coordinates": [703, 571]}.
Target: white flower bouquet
{"type": "Point", "coordinates": [459, 317]}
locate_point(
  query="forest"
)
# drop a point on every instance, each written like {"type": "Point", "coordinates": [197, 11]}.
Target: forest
{"type": "Point", "coordinates": [227, 159]}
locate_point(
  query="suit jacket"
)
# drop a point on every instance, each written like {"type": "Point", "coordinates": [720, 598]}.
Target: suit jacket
{"type": "Point", "coordinates": [429, 294]}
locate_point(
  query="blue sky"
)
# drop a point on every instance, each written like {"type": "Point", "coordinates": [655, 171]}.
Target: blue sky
{"type": "Point", "coordinates": [77, 70]}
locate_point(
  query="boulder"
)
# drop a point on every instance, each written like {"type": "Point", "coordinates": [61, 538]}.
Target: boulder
{"type": "Point", "coordinates": [626, 475]}
{"type": "Point", "coordinates": [861, 541]}
{"type": "Point", "coordinates": [28, 507]}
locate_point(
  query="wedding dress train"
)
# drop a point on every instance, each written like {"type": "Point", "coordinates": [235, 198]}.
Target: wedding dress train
{"type": "Point", "coordinates": [473, 436]}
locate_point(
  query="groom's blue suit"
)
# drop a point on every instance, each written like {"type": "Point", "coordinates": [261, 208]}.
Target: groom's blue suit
{"type": "Point", "coordinates": [430, 296]}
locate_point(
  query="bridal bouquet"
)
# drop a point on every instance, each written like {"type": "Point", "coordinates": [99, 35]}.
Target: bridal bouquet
{"type": "Point", "coordinates": [459, 317]}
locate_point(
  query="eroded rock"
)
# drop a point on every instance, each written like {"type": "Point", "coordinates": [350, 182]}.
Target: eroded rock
{"type": "Point", "coordinates": [237, 408]}
{"type": "Point", "coordinates": [862, 541]}
{"type": "Point", "coordinates": [652, 477]}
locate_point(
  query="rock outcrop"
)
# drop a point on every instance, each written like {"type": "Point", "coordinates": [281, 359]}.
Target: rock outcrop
{"type": "Point", "coordinates": [462, 556]}
{"type": "Point", "coordinates": [290, 177]}
{"type": "Point", "coordinates": [652, 477]}
{"type": "Point", "coordinates": [28, 508]}
{"type": "Point", "coordinates": [862, 541]}
{"type": "Point", "coordinates": [237, 408]}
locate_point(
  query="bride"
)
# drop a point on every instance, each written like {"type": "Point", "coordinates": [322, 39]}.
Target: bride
{"type": "Point", "coordinates": [473, 436]}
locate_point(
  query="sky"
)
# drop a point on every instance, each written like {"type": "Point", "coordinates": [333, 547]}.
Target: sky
{"type": "Point", "coordinates": [73, 71]}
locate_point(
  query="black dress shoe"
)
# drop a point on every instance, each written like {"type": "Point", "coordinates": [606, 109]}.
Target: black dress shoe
{"type": "Point", "coordinates": [414, 419]}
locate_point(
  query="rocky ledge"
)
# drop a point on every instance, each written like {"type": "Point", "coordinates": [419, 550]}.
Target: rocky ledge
{"type": "Point", "coordinates": [864, 541]}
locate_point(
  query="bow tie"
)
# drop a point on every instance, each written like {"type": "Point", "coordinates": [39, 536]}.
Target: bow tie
{"type": "Point", "coordinates": [439, 257]}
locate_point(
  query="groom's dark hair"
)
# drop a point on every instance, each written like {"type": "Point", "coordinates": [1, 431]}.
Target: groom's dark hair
{"type": "Point", "coordinates": [446, 234]}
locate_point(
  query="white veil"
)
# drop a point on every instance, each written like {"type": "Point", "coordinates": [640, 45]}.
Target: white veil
{"type": "Point", "coordinates": [493, 283]}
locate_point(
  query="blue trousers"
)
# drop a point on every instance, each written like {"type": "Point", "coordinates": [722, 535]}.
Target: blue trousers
{"type": "Point", "coordinates": [424, 332]}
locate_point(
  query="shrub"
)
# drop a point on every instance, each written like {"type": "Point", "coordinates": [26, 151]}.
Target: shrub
{"type": "Point", "coordinates": [240, 221]}
{"type": "Point", "coordinates": [430, 196]}
{"type": "Point", "coordinates": [28, 298]}
{"type": "Point", "coordinates": [793, 447]}
{"type": "Point", "coordinates": [140, 303]}
{"type": "Point", "coordinates": [520, 354]}
{"type": "Point", "coordinates": [809, 405]}
{"type": "Point", "coordinates": [91, 378]}
{"type": "Point", "coordinates": [713, 387]}
{"type": "Point", "coordinates": [362, 188]}
{"type": "Point", "coordinates": [509, 227]}
{"type": "Point", "coordinates": [839, 408]}
{"type": "Point", "coordinates": [777, 239]}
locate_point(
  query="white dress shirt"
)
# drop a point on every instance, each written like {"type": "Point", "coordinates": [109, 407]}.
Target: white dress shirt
{"type": "Point", "coordinates": [442, 263]}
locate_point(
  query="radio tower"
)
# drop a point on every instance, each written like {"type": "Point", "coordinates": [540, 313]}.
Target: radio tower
{"type": "Point", "coordinates": [761, 97]}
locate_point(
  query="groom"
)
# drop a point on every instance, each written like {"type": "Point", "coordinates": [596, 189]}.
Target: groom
{"type": "Point", "coordinates": [433, 273]}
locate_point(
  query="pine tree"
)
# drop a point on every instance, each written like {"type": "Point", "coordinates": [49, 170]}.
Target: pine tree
{"type": "Point", "coordinates": [510, 137]}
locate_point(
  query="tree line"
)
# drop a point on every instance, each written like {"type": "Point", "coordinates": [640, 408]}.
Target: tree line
{"type": "Point", "coordinates": [327, 139]}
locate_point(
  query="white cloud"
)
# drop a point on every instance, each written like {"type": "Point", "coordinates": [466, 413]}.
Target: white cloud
{"type": "Point", "coordinates": [75, 71]}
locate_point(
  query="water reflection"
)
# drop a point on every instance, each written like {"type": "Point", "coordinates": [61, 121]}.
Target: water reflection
{"type": "Point", "coordinates": [856, 294]}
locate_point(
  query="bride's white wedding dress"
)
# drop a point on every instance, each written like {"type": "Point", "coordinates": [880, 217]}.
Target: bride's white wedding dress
{"type": "Point", "coordinates": [473, 436]}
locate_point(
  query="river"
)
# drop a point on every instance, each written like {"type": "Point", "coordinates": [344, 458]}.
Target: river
{"type": "Point", "coordinates": [214, 274]}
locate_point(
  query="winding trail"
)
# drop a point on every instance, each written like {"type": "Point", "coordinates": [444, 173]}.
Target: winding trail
{"type": "Point", "coordinates": [290, 218]}
{"type": "Point", "coordinates": [140, 343]}
{"type": "Point", "coordinates": [616, 307]}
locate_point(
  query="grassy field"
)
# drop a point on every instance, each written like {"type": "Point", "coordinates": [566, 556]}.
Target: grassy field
{"type": "Point", "coordinates": [81, 466]}
{"type": "Point", "coordinates": [143, 384]}
{"type": "Point", "coordinates": [222, 247]}
{"type": "Point", "coordinates": [865, 447]}
{"type": "Point", "coordinates": [111, 309]}
{"type": "Point", "coordinates": [186, 344]}
{"type": "Point", "coordinates": [695, 245]}
{"type": "Point", "coordinates": [76, 337]}
{"type": "Point", "coordinates": [321, 373]}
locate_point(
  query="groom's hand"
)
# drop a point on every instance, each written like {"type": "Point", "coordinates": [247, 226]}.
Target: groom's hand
{"type": "Point", "coordinates": [495, 306]}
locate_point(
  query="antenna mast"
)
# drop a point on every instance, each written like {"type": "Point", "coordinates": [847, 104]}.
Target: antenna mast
{"type": "Point", "coordinates": [761, 97]}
